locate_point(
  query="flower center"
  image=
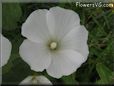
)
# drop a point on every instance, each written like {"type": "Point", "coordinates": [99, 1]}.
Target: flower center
{"type": "Point", "coordinates": [34, 80]}
{"type": "Point", "coordinates": [53, 45]}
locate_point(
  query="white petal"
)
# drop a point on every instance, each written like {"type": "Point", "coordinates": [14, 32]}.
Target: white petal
{"type": "Point", "coordinates": [36, 80]}
{"type": "Point", "coordinates": [5, 50]}
{"type": "Point", "coordinates": [27, 80]}
{"type": "Point", "coordinates": [35, 54]}
{"type": "Point", "coordinates": [35, 28]}
{"type": "Point", "coordinates": [51, 23]}
{"type": "Point", "coordinates": [43, 80]}
{"type": "Point", "coordinates": [77, 39]}
{"type": "Point", "coordinates": [62, 21]}
{"type": "Point", "coordinates": [65, 62]}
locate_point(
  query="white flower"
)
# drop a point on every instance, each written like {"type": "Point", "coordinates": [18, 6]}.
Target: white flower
{"type": "Point", "coordinates": [5, 49]}
{"type": "Point", "coordinates": [36, 80]}
{"type": "Point", "coordinates": [55, 41]}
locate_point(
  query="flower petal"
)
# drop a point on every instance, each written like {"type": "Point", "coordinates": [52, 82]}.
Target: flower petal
{"type": "Point", "coordinates": [43, 80]}
{"type": "Point", "coordinates": [35, 28]}
{"type": "Point", "coordinates": [62, 21]}
{"type": "Point", "coordinates": [5, 50]}
{"type": "Point", "coordinates": [36, 80]}
{"type": "Point", "coordinates": [77, 39]}
{"type": "Point", "coordinates": [27, 80]}
{"type": "Point", "coordinates": [64, 62]}
{"type": "Point", "coordinates": [35, 54]}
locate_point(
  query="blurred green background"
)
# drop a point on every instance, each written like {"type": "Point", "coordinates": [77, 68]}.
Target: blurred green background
{"type": "Point", "coordinates": [98, 69]}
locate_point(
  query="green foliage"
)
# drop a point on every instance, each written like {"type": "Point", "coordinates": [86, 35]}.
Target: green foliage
{"type": "Point", "coordinates": [100, 24]}
{"type": "Point", "coordinates": [11, 15]}
{"type": "Point", "coordinates": [69, 79]}
{"type": "Point", "coordinates": [104, 73]}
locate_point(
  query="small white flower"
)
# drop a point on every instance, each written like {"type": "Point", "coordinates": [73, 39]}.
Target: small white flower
{"type": "Point", "coordinates": [55, 41]}
{"type": "Point", "coordinates": [41, 80]}
{"type": "Point", "coordinates": [5, 49]}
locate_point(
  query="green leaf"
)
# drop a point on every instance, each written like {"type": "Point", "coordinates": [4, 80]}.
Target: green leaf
{"type": "Point", "coordinates": [112, 78]}
{"type": "Point", "coordinates": [19, 71]}
{"type": "Point", "coordinates": [11, 15]}
{"type": "Point", "coordinates": [104, 72]}
{"type": "Point", "coordinates": [69, 79]}
{"type": "Point", "coordinates": [6, 68]}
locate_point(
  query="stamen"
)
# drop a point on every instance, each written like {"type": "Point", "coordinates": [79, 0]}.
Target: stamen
{"type": "Point", "coordinates": [53, 45]}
